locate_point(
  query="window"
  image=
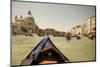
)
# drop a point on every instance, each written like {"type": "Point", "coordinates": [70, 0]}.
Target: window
{"type": "Point", "coordinates": [29, 23]}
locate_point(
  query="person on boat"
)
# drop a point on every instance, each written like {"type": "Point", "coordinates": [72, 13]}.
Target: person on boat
{"type": "Point", "coordinates": [78, 36]}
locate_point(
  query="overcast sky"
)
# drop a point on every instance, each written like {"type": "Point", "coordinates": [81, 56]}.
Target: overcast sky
{"type": "Point", "coordinates": [58, 16]}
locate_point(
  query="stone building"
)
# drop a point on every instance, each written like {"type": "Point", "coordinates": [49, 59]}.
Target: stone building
{"type": "Point", "coordinates": [24, 25]}
{"type": "Point", "coordinates": [89, 26]}
{"type": "Point", "coordinates": [15, 28]}
{"type": "Point", "coordinates": [73, 31]}
{"type": "Point", "coordinates": [93, 24]}
{"type": "Point", "coordinates": [76, 30]}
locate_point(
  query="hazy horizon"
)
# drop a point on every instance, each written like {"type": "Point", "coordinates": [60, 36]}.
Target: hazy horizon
{"type": "Point", "coordinates": [58, 16]}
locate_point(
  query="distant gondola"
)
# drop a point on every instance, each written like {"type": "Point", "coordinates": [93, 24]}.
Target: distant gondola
{"type": "Point", "coordinates": [68, 37]}
{"type": "Point", "coordinates": [78, 36]}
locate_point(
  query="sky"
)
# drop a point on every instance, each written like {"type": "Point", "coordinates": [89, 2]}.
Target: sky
{"type": "Point", "coordinates": [61, 17]}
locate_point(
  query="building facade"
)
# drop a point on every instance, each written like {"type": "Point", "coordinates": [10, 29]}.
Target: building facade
{"type": "Point", "coordinates": [89, 26]}
{"type": "Point", "coordinates": [24, 25]}
{"type": "Point", "coordinates": [76, 30]}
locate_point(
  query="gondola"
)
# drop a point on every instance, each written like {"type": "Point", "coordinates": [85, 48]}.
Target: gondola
{"type": "Point", "coordinates": [45, 53]}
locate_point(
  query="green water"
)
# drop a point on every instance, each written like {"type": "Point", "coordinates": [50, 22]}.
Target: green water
{"type": "Point", "coordinates": [75, 50]}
